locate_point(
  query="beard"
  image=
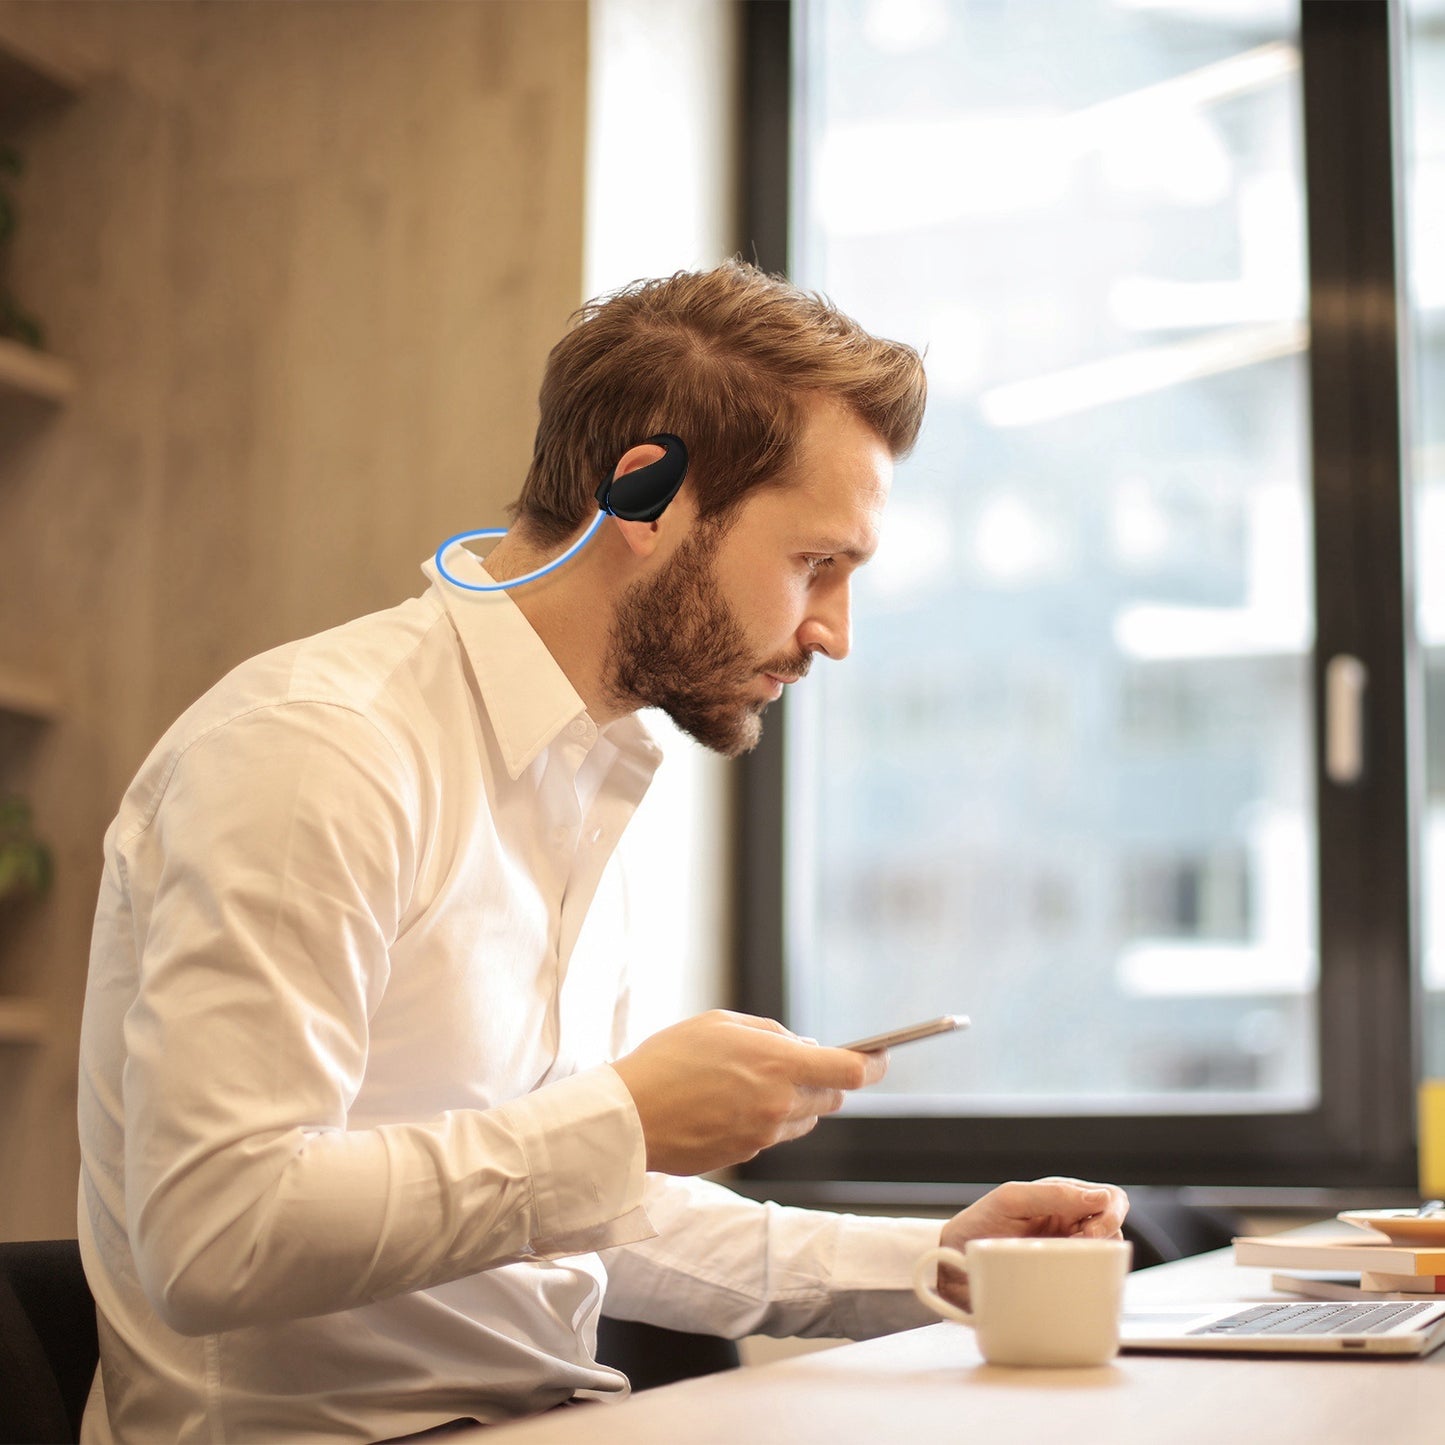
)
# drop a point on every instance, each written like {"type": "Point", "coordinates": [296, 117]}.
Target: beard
{"type": "Point", "coordinates": [676, 645]}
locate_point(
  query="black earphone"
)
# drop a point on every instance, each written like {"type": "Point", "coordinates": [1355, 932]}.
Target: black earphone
{"type": "Point", "coordinates": [643, 495]}
{"type": "Point", "coordinates": [640, 496]}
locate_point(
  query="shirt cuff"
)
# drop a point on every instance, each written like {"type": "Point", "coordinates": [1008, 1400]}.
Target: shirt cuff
{"type": "Point", "coordinates": [588, 1164]}
{"type": "Point", "coordinates": [872, 1278]}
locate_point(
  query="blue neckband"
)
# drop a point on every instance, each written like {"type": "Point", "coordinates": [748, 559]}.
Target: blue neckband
{"type": "Point", "coordinates": [571, 552]}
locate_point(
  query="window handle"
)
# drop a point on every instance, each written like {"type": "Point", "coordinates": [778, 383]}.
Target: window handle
{"type": "Point", "coordinates": [1346, 679]}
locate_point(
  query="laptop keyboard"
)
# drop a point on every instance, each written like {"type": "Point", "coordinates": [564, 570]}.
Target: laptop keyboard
{"type": "Point", "coordinates": [1323, 1319]}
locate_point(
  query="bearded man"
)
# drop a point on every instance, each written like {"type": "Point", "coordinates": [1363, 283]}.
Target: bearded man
{"type": "Point", "coordinates": [365, 1145]}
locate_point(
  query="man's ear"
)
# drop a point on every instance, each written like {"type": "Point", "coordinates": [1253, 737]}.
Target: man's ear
{"type": "Point", "coordinates": [643, 539]}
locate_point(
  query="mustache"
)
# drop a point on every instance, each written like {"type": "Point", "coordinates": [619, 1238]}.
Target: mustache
{"type": "Point", "coordinates": [792, 670]}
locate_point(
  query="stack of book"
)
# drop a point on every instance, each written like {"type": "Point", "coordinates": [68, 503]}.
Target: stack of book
{"type": "Point", "coordinates": [1351, 1266]}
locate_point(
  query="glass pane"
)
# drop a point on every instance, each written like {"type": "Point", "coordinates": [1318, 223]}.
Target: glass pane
{"type": "Point", "coordinates": [1424, 113]}
{"type": "Point", "coordinates": [1065, 785]}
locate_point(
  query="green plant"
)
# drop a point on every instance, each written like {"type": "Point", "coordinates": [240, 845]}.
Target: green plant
{"type": "Point", "coordinates": [25, 866]}
{"type": "Point", "coordinates": [15, 324]}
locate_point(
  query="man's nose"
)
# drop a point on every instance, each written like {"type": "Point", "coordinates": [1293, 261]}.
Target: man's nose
{"type": "Point", "coordinates": [828, 627]}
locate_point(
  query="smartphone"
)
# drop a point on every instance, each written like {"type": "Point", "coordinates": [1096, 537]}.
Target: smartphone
{"type": "Point", "coordinates": [879, 1042]}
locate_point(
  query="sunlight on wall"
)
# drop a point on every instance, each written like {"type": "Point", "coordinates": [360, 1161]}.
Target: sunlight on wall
{"type": "Point", "coordinates": [660, 166]}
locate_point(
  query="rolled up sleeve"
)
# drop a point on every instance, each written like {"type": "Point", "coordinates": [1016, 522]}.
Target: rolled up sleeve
{"type": "Point", "coordinates": [722, 1264]}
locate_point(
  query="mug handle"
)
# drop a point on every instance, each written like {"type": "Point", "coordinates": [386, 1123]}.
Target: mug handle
{"type": "Point", "coordinates": [926, 1267]}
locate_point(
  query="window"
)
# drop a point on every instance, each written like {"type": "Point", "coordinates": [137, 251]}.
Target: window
{"type": "Point", "coordinates": [1089, 775]}
{"type": "Point", "coordinates": [1423, 114]}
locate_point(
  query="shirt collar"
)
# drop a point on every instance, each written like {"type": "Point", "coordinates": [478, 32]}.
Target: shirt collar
{"type": "Point", "coordinates": [527, 696]}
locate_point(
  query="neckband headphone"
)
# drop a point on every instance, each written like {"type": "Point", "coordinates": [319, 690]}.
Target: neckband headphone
{"type": "Point", "coordinates": [640, 496]}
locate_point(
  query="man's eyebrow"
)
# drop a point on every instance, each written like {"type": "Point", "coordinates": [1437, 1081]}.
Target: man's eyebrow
{"type": "Point", "coordinates": [835, 548]}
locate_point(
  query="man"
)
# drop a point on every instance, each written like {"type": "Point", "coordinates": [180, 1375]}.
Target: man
{"type": "Point", "coordinates": [363, 1143]}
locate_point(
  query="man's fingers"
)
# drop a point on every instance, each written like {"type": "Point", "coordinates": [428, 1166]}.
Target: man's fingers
{"type": "Point", "coordinates": [823, 1068]}
{"type": "Point", "coordinates": [797, 1128]}
{"type": "Point", "coordinates": [714, 1089]}
{"type": "Point", "coordinates": [813, 1066]}
{"type": "Point", "coordinates": [1072, 1200]}
{"type": "Point", "coordinates": [819, 1101]}
{"type": "Point", "coordinates": [753, 1021]}
{"type": "Point", "coordinates": [1113, 1205]}
{"type": "Point", "coordinates": [877, 1066]}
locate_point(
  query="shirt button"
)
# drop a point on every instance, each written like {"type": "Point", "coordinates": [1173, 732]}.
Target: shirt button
{"type": "Point", "coordinates": [578, 727]}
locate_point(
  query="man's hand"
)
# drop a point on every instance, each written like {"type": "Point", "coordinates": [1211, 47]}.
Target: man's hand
{"type": "Point", "coordinates": [716, 1089]}
{"type": "Point", "coordinates": [1053, 1207]}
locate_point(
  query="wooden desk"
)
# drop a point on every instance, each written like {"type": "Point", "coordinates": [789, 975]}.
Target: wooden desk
{"type": "Point", "coordinates": [930, 1385]}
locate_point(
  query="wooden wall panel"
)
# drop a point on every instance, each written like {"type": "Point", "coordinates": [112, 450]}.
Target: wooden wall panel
{"type": "Point", "coordinates": [308, 259]}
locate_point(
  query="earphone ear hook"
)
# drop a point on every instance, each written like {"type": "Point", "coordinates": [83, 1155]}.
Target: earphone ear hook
{"type": "Point", "coordinates": [640, 496]}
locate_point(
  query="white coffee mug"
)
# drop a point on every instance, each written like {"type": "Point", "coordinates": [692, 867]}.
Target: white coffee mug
{"type": "Point", "coordinates": [1036, 1301]}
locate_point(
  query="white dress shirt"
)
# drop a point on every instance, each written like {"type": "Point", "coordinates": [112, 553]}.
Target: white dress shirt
{"type": "Point", "coordinates": [350, 1143]}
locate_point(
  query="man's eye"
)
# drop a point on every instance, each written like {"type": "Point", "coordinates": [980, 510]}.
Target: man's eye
{"type": "Point", "coordinates": [816, 564]}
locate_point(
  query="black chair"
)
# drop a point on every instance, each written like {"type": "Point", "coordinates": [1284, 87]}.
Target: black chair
{"type": "Point", "coordinates": [49, 1350]}
{"type": "Point", "coordinates": [48, 1345]}
{"type": "Point", "coordinates": [1161, 1228]}
{"type": "Point", "coordinates": [650, 1355]}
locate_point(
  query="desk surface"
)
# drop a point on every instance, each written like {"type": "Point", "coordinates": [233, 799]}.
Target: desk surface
{"type": "Point", "coordinates": [930, 1385]}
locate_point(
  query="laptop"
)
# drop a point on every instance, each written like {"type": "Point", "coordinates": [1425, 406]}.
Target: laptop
{"type": "Point", "coordinates": [1331, 1327]}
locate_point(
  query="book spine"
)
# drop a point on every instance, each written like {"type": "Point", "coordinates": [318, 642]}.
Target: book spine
{"type": "Point", "coordinates": [1334, 1288]}
{"type": "Point", "coordinates": [1374, 1279]}
{"type": "Point", "coordinates": [1430, 1126]}
{"type": "Point", "coordinates": [1328, 1288]}
{"type": "Point", "coordinates": [1382, 1258]}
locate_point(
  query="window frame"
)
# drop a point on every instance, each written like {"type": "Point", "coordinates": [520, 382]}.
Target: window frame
{"type": "Point", "coordinates": [1361, 1135]}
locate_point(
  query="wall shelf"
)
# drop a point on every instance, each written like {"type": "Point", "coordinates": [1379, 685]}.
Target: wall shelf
{"type": "Point", "coordinates": [34, 373]}
{"type": "Point", "coordinates": [22, 1021]}
{"type": "Point", "coordinates": [27, 694]}
{"type": "Point", "coordinates": [35, 77]}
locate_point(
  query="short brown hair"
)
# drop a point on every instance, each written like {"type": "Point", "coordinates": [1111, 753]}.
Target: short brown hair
{"type": "Point", "coordinates": [725, 359]}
